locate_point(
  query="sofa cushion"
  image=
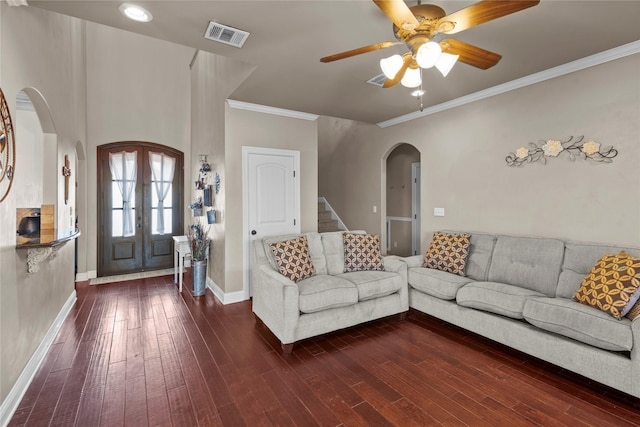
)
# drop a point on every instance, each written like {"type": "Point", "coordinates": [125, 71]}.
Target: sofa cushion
{"type": "Point", "coordinates": [321, 292]}
{"type": "Point", "coordinates": [293, 259]}
{"type": "Point", "coordinates": [362, 252]}
{"type": "Point", "coordinates": [578, 321]}
{"type": "Point", "coordinates": [578, 260]}
{"type": "Point", "coordinates": [612, 284]}
{"type": "Point", "coordinates": [333, 248]}
{"type": "Point", "coordinates": [448, 252]}
{"type": "Point", "coordinates": [316, 251]}
{"type": "Point", "coordinates": [500, 298]}
{"type": "Point", "coordinates": [374, 284]}
{"type": "Point", "coordinates": [527, 262]}
{"type": "Point", "coordinates": [436, 283]}
{"type": "Point", "coordinates": [479, 258]}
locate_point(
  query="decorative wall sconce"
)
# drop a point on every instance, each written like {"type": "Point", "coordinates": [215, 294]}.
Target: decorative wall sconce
{"type": "Point", "coordinates": [205, 167]}
{"type": "Point", "coordinates": [575, 148]}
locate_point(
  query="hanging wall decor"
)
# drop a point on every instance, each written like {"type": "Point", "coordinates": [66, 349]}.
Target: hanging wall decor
{"type": "Point", "coordinates": [216, 183]}
{"type": "Point", "coordinates": [7, 148]}
{"type": "Point", "coordinates": [576, 148]}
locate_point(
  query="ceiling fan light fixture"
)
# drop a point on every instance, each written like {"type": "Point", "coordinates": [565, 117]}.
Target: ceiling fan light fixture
{"type": "Point", "coordinates": [135, 12]}
{"type": "Point", "coordinates": [445, 63]}
{"type": "Point", "coordinates": [417, 93]}
{"type": "Point", "coordinates": [391, 65]}
{"type": "Point", "coordinates": [411, 78]}
{"type": "Point", "coordinates": [428, 54]}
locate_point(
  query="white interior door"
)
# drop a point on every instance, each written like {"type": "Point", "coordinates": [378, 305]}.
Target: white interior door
{"type": "Point", "coordinates": [272, 197]}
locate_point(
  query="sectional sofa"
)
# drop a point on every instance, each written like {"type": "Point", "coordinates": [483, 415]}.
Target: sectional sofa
{"type": "Point", "coordinates": [517, 291]}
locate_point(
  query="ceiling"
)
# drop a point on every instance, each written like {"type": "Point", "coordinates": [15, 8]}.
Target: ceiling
{"type": "Point", "coordinates": [288, 38]}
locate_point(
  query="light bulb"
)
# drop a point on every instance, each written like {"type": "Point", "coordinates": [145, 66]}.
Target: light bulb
{"type": "Point", "coordinates": [446, 62]}
{"type": "Point", "coordinates": [428, 54]}
{"type": "Point", "coordinates": [134, 12]}
{"type": "Point", "coordinates": [411, 78]}
{"type": "Point", "coordinates": [391, 65]}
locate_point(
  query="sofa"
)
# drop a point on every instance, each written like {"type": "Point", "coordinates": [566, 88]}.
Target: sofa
{"type": "Point", "coordinates": [329, 299]}
{"type": "Point", "coordinates": [519, 291]}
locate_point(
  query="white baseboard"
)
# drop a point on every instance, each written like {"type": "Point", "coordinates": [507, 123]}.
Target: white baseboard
{"type": "Point", "coordinates": [225, 298]}
{"type": "Point", "coordinates": [10, 404]}
{"type": "Point", "coordinates": [88, 275]}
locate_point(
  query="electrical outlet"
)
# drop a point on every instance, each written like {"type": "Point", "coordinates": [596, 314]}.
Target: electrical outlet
{"type": "Point", "coordinates": [438, 211]}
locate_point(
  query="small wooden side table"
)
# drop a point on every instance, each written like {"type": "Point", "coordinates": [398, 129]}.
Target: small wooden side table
{"type": "Point", "coordinates": [181, 250]}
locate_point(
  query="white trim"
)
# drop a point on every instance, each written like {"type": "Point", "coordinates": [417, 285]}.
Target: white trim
{"type": "Point", "coordinates": [91, 274]}
{"type": "Point", "coordinates": [11, 402]}
{"type": "Point", "coordinates": [415, 207]}
{"type": "Point", "coordinates": [570, 67]}
{"type": "Point", "coordinates": [399, 218]}
{"type": "Point", "coordinates": [17, 3]}
{"type": "Point", "coordinates": [240, 105]}
{"type": "Point", "coordinates": [225, 298]}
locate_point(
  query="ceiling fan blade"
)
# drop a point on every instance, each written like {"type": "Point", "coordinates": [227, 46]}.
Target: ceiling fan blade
{"type": "Point", "coordinates": [481, 12]}
{"type": "Point", "coordinates": [358, 51]}
{"type": "Point", "coordinates": [398, 12]}
{"type": "Point", "coordinates": [470, 54]}
{"type": "Point", "coordinates": [406, 61]}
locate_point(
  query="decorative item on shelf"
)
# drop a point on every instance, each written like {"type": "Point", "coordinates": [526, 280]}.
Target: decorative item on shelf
{"type": "Point", "coordinates": [216, 183]}
{"type": "Point", "coordinates": [199, 243]}
{"type": "Point", "coordinates": [196, 207]}
{"type": "Point", "coordinates": [7, 148]}
{"type": "Point", "coordinates": [575, 148]}
{"type": "Point", "coordinates": [205, 167]}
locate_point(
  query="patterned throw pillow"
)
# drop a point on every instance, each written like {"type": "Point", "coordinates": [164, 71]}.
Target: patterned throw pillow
{"type": "Point", "coordinates": [361, 252]}
{"type": "Point", "coordinates": [293, 259]}
{"type": "Point", "coordinates": [634, 312]}
{"type": "Point", "coordinates": [612, 284]}
{"type": "Point", "coordinates": [448, 252]}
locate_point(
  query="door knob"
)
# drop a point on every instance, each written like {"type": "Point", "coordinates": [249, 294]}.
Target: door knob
{"type": "Point", "coordinates": [254, 232]}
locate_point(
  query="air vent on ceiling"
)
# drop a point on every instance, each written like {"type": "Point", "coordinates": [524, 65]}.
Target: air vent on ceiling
{"type": "Point", "coordinates": [377, 80]}
{"type": "Point", "coordinates": [227, 35]}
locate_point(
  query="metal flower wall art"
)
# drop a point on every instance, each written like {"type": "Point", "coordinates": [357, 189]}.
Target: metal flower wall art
{"type": "Point", "coordinates": [574, 147]}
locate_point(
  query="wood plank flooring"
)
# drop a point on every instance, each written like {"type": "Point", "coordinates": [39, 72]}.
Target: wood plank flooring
{"type": "Point", "coordinates": [139, 353]}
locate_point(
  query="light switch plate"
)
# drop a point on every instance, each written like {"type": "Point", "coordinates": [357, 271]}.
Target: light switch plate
{"type": "Point", "coordinates": [438, 211]}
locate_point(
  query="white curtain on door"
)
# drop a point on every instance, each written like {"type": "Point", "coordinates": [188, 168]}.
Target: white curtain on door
{"type": "Point", "coordinates": [123, 167]}
{"type": "Point", "coordinates": [162, 168]}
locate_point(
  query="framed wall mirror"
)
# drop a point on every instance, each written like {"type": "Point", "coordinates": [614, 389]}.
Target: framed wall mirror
{"type": "Point", "coordinates": [7, 148]}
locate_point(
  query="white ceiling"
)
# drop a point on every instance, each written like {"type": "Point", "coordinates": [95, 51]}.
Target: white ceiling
{"type": "Point", "coordinates": [288, 38]}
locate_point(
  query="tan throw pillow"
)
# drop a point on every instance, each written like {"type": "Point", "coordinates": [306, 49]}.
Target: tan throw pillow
{"type": "Point", "coordinates": [634, 312]}
{"type": "Point", "coordinates": [361, 252]}
{"type": "Point", "coordinates": [612, 284]}
{"type": "Point", "coordinates": [293, 259]}
{"type": "Point", "coordinates": [448, 252]}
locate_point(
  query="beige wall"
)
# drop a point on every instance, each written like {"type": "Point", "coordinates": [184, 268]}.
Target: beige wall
{"type": "Point", "coordinates": [253, 129]}
{"type": "Point", "coordinates": [138, 89]}
{"type": "Point", "coordinates": [213, 78]}
{"type": "Point", "coordinates": [43, 51]}
{"type": "Point", "coordinates": [463, 167]}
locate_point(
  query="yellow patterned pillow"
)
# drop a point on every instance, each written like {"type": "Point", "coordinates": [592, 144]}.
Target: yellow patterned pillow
{"type": "Point", "coordinates": [361, 252]}
{"type": "Point", "coordinates": [448, 252]}
{"type": "Point", "coordinates": [293, 259]}
{"type": "Point", "coordinates": [612, 284]}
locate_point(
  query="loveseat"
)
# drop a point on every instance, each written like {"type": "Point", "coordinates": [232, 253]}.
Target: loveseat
{"type": "Point", "coordinates": [520, 292]}
{"type": "Point", "coordinates": [329, 299]}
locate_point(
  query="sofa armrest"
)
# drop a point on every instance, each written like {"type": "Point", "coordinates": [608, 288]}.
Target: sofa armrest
{"type": "Point", "coordinates": [275, 301]}
{"type": "Point", "coordinates": [397, 265]}
{"type": "Point", "coordinates": [414, 261]}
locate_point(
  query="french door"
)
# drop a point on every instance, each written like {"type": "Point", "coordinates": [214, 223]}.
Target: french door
{"type": "Point", "coordinates": [140, 206]}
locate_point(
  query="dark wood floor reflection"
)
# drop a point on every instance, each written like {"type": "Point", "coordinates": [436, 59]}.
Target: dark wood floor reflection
{"type": "Point", "coordinates": [138, 353]}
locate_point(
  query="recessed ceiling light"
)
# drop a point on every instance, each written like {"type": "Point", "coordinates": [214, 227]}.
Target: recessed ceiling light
{"type": "Point", "coordinates": [136, 13]}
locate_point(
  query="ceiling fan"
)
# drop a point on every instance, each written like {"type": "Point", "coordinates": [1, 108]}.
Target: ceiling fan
{"type": "Point", "coordinates": [419, 25]}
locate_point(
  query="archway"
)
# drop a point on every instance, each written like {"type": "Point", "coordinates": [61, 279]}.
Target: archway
{"type": "Point", "coordinates": [402, 197]}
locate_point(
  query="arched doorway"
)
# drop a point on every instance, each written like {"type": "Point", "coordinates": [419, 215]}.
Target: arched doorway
{"type": "Point", "coordinates": [140, 206]}
{"type": "Point", "coordinates": [403, 201]}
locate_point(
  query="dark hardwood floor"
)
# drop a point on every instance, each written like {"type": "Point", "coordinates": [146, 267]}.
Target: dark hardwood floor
{"type": "Point", "coordinates": [138, 353]}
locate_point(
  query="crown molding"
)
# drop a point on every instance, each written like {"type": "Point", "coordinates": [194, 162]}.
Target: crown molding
{"type": "Point", "coordinates": [17, 3]}
{"type": "Point", "coordinates": [240, 105]}
{"type": "Point", "coordinates": [570, 67]}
